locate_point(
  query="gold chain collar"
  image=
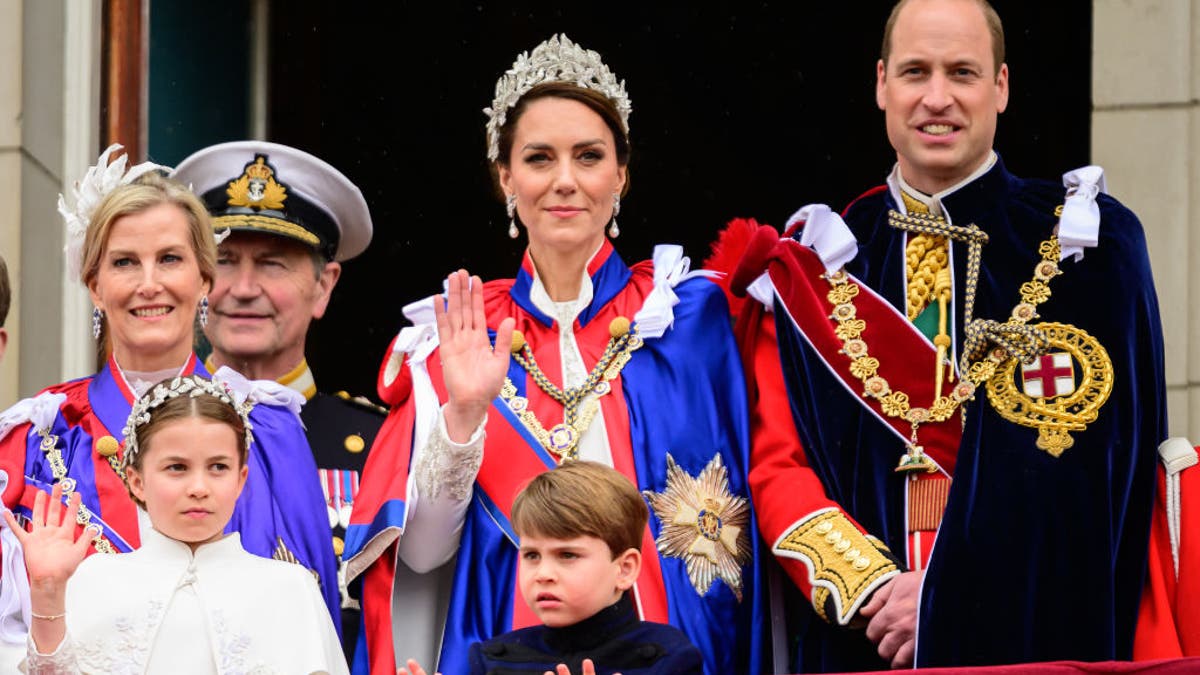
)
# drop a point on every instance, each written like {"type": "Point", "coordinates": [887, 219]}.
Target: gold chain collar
{"type": "Point", "coordinates": [58, 468]}
{"type": "Point", "coordinates": [562, 440]}
{"type": "Point", "coordinates": [895, 403]}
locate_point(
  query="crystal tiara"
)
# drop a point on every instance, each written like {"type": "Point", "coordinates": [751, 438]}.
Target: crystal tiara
{"type": "Point", "coordinates": [555, 60]}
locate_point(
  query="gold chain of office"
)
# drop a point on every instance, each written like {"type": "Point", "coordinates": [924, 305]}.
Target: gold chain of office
{"type": "Point", "coordinates": [1013, 338]}
{"type": "Point", "coordinates": [562, 440]}
{"type": "Point", "coordinates": [58, 468]}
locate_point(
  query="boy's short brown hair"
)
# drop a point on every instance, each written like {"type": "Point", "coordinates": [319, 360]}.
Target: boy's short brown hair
{"type": "Point", "coordinates": [579, 499]}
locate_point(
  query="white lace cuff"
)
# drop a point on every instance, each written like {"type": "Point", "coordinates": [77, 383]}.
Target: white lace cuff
{"type": "Point", "coordinates": [446, 467]}
{"type": "Point", "coordinates": [61, 661]}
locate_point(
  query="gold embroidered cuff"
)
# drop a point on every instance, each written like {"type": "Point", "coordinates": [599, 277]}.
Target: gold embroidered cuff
{"type": "Point", "coordinates": [844, 565]}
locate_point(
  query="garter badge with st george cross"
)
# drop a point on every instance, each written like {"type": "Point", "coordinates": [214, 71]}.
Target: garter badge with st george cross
{"type": "Point", "coordinates": [703, 524]}
{"type": "Point", "coordinates": [1060, 391]}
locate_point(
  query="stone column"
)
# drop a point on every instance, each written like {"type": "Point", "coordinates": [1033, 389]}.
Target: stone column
{"type": "Point", "coordinates": [49, 84]}
{"type": "Point", "coordinates": [1146, 135]}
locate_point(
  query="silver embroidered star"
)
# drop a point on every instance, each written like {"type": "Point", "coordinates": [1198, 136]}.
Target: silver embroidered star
{"type": "Point", "coordinates": [703, 524]}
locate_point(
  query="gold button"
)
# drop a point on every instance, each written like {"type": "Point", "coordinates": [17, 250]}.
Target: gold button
{"type": "Point", "coordinates": [833, 537]}
{"type": "Point", "coordinates": [518, 342]}
{"type": "Point", "coordinates": [842, 546]}
{"type": "Point", "coordinates": [338, 546]}
{"type": "Point", "coordinates": [354, 443]}
{"type": "Point", "coordinates": [862, 563]}
{"type": "Point", "coordinates": [824, 527]}
{"type": "Point", "coordinates": [851, 554]}
{"type": "Point", "coordinates": [618, 327]}
{"type": "Point", "coordinates": [107, 446]}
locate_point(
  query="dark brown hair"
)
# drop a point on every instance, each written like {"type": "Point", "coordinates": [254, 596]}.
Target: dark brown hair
{"type": "Point", "coordinates": [582, 499]}
{"type": "Point", "coordinates": [597, 102]}
{"type": "Point", "coordinates": [204, 406]}
{"type": "Point", "coordinates": [994, 25]}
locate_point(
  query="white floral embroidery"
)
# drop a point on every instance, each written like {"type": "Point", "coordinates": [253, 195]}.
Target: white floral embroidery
{"type": "Point", "coordinates": [125, 651]}
{"type": "Point", "coordinates": [232, 648]}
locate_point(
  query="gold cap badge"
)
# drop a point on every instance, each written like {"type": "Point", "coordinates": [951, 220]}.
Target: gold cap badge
{"type": "Point", "coordinates": [257, 187]}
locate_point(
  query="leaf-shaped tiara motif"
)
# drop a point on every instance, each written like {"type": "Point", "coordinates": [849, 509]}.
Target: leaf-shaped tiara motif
{"type": "Point", "coordinates": [184, 385]}
{"type": "Point", "coordinates": [555, 60]}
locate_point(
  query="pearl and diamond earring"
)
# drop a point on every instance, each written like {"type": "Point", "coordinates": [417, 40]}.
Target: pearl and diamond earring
{"type": "Point", "coordinates": [510, 205]}
{"type": "Point", "coordinates": [613, 230]}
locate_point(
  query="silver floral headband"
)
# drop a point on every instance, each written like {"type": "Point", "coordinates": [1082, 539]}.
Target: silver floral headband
{"type": "Point", "coordinates": [184, 385]}
{"type": "Point", "coordinates": [555, 60]}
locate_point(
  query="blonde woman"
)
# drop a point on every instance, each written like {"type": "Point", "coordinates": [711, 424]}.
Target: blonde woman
{"type": "Point", "coordinates": [144, 248]}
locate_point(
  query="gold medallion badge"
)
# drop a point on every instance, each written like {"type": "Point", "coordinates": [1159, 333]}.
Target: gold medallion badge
{"type": "Point", "coordinates": [257, 187]}
{"type": "Point", "coordinates": [1054, 396]}
{"type": "Point", "coordinates": [704, 525]}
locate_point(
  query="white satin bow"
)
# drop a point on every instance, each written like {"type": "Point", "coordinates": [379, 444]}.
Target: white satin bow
{"type": "Point", "coordinates": [827, 234]}
{"type": "Point", "coordinates": [671, 268]}
{"type": "Point", "coordinates": [1079, 226]}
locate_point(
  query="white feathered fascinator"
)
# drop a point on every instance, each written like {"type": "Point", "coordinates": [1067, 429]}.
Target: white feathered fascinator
{"type": "Point", "coordinates": [99, 180]}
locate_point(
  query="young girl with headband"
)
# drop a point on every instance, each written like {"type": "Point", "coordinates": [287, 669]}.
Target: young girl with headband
{"type": "Point", "coordinates": [191, 598]}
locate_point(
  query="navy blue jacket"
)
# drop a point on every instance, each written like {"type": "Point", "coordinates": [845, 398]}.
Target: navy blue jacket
{"type": "Point", "coordinates": [614, 639]}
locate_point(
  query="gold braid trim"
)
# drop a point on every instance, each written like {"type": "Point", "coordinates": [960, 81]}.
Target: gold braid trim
{"type": "Point", "coordinates": [843, 564]}
{"type": "Point", "coordinates": [267, 224]}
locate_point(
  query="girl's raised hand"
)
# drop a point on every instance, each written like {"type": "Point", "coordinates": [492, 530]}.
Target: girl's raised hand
{"type": "Point", "coordinates": [52, 553]}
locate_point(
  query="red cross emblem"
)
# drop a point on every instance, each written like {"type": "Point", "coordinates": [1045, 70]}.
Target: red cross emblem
{"type": "Point", "coordinates": [1049, 376]}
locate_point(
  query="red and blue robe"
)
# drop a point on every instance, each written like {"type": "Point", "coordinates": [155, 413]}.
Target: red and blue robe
{"type": "Point", "coordinates": [280, 506]}
{"type": "Point", "coordinates": [1037, 558]}
{"type": "Point", "coordinates": [681, 394]}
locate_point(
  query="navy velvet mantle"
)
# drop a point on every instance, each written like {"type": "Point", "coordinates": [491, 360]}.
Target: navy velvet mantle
{"type": "Point", "coordinates": [1038, 558]}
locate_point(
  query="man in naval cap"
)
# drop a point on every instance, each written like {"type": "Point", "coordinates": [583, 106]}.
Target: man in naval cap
{"type": "Point", "coordinates": [288, 221]}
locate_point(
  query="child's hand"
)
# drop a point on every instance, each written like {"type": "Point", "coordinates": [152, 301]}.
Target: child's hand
{"type": "Point", "coordinates": [413, 668]}
{"type": "Point", "coordinates": [52, 553]}
{"type": "Point", "coordinates": [588, 669]}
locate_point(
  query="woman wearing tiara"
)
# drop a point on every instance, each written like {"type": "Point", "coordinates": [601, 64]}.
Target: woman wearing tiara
{"type": "Point", "coordinates": [634, 367]}
{"type": "Point", "coordinates": [143, 246]}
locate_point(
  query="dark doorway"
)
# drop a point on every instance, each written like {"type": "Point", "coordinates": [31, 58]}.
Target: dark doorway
{"type": "Point", "coordinates": [743, 109]}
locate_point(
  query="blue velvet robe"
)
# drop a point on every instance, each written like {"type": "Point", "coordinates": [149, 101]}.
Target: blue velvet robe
{"type": "Point", "coordinates": [1037, 558]}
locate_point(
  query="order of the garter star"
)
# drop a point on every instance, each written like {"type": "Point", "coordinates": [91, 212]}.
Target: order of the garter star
{"type": "Point", "coordinates": [703, 524]}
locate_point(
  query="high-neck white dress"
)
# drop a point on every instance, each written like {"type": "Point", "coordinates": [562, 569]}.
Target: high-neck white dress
{"type": "Point", "coordinates": [165, 609]}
